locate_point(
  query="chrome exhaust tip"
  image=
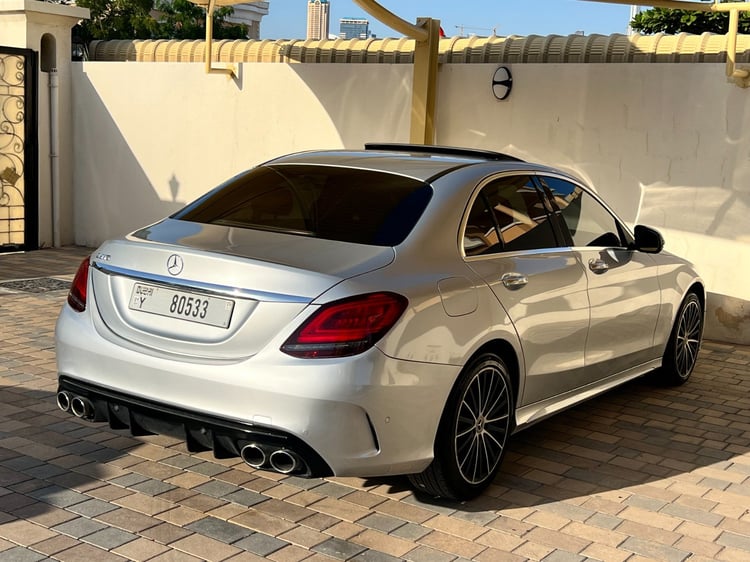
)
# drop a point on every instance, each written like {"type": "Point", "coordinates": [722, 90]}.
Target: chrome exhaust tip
{"type": "Point", "coordinates": [82, 407]}
{"type": "Point", "coordinates": [253, 455]}
{"type": "Point", "coordinates": [63, 400]}
{"type": "Point", "coordinates": [283, 461]}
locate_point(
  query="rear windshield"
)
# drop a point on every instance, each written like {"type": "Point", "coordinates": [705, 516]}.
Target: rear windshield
{"type": "Point", "coordinates": [343, 204]}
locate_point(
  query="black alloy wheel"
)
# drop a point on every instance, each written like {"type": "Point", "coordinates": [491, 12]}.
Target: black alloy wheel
{"type": "Point", "coordinates": [473, 433]}
{"type": "Point", "coordinates": [684, 343]}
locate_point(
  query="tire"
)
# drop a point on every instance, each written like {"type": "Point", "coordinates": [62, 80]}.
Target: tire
{"type": "Point", "coordinates": [684, 342]}
{"type": "Point", "coordinates": [473, 432]}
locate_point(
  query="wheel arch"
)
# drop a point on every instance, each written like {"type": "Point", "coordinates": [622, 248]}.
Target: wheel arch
{"type": "Point", "coordinates": [506, 351]}
{"type": "Point", "coordinates": [700, 291]}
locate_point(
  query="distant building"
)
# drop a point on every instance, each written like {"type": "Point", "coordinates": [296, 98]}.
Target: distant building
{"type": "Point", "coordinates": [317, 19]}
{"type": "Point", "coordinates": [250, 15]}
{"type": "Point", "coordinates": [354, 28]}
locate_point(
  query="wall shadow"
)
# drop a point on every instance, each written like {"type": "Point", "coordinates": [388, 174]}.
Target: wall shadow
{"type": "Point", "coordinates": [111, 213]}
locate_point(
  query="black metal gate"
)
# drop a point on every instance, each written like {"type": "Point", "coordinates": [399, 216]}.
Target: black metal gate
{"type": "Point", "coordinates": [19, 187]}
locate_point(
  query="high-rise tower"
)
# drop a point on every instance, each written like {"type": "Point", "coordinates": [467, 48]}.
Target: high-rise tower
{"type": "Point", "coordinates": [354, 28]}
{"type": "Point", "coordinates": [317, 19]}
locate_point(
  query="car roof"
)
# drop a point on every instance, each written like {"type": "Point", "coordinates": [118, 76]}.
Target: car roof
{"type": "Point", "coordinates": [422, 162]}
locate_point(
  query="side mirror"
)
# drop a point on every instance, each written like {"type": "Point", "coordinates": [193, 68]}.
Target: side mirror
{"type": "Point", "coordinates": [648, 240]}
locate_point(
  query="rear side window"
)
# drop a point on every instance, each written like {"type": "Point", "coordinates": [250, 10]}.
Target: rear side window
{"type": "Point", "coordinates": [344, 204]}
{"type": "Point", "coordinates": [508, 215]}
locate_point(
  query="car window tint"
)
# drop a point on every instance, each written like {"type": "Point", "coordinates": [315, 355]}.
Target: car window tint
{"type": "Point", "coordinates": [342, 204]}
{"type": "Point", "coordinates": [588, 221]}
{"type": "Point", "coordinates": [508, 215]}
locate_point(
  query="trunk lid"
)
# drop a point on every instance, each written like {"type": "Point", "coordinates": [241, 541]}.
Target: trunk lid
{"type": "Point", "coordinates": [211, 292]}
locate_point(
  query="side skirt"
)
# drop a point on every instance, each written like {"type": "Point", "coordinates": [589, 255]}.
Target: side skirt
{"type": "Point", "coordinates": [533, 413]}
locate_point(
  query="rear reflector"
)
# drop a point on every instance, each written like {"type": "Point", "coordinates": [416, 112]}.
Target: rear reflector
{"type": "Point", "coordinates": [346, 327]}
{"type": "Point", "coordinates": [77, 294]}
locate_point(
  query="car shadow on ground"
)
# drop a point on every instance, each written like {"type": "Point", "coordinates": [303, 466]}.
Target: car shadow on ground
{"type": "Point", "coordinates": [639, 434]}
{"type": "Point", "coordinates": [642, 433]}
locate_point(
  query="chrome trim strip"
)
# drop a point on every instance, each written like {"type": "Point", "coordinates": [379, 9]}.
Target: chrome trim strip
{"type": "Point", "coordinates": [211, 288]}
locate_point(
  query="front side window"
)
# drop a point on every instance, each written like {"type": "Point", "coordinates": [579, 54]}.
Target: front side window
{"type": "Point", "coordinates": [508, 215]}
{"type": "Point", "coordinates": [335, 203]}
{"type": "Point", "coordinates": [588, 221]}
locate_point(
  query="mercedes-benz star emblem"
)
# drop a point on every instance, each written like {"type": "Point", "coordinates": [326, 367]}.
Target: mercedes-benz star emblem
{"type": "Point", "coordinates": [175, 264]}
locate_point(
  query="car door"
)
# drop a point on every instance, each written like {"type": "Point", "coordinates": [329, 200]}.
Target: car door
{"type": "Point", "coordinates": [622, 283]}
{"type": "Point", "coordinates": [512, 243]}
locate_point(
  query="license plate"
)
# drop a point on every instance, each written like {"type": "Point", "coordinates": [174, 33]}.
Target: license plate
{"type": "Point", "coordinates": [183, 305]}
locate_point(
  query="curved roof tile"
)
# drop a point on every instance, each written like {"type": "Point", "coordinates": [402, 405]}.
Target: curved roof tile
{"type": "Point", "coordinates": [615, 48]}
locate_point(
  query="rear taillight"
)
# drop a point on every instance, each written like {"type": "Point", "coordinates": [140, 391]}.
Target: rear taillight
{"type": "Point", "coordinates": [77, 294]}
{"type": "Point", "coordinates": [346, 327]}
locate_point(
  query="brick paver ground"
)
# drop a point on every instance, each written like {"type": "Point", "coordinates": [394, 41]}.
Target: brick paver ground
{"type": "Point", "coordinates": [641, 473]}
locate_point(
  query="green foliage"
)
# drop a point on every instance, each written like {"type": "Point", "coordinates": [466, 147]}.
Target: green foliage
{"type": "Point", "coordinates": [664, 20]}
{"type": "Point", "coordinates": [117, 19]}
{"type": "Point", "coordinates": [149, 19]}
{"type": "Point", "coordinates": [181, 19]}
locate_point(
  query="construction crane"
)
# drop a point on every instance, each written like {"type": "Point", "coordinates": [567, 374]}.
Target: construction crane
{"type": "Point", "coordinates": [461, 28]}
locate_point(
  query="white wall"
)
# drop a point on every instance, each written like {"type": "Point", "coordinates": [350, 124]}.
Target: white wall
{"type": "Point", "coordinates": [151, 137]}
{"type": "Point", "coordinates": [665, 144]}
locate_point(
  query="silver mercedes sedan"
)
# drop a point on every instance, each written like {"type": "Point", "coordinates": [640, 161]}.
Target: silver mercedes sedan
{"type": "Point", "coordinates": [395, 310]}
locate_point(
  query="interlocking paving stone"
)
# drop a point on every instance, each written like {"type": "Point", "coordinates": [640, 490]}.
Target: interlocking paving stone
{"type": "Point", "coordinates": [261, 544]}
{"type": "Point", "coordinates": [332, 490]}
{"type": "Point", "coordinates": [654, 550]}
{"type": "Point", "coordinates": [384, 523]}
{"type": "Point", "coordinates": [411, 531]}
{"type": "Point", "coordinates": [20, 554]}
{"type": "Point", "coordinates": [374, 556]}
{"type": "Point", "coordinates": [740, 542]}
{"type": "Point", "coordinates": [561, 556]}
{"type": "Point", "coordinates": [427, 554]}
{"type": "Point", "coordinates": [110, 538]}
{"type": "Point", "coordinates": [152, 487]}
{"type": "Point", "coordinates": [92, 508]}
{"type": "Point", "coordinates": [217, 489]}
{"type": "Point", "coordinates": [246, 497]}
{"type": "Point", "coordinates": [223, 531]}
{"type": "Point", "coordinates": [57, 496]}
{"type": "Point", "coordinates": [337, 548]}
{"type": "Point", "coordinates": [643, 471]}
{"type": "Point", "coordinates": [208, 468]}
{"type": "Point", "coordinates": [129, 480]}
{"type": "Point", "coordinates": [80, 527]}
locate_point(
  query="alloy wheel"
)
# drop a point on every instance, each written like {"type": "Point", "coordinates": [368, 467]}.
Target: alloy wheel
{"type": "Point", "coordinates": [482, 424]}
{"type": "Point", "coordinates": [688, 338]}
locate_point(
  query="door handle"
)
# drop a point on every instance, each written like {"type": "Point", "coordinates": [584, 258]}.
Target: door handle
{"type": "Point", "coordinates": [514, 281]}
{"type": "Point", "coordinates": [598, 266]}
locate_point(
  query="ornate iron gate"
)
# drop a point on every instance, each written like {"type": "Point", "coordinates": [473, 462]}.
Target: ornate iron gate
{"type": "Point", "coordinates": [18, 150]}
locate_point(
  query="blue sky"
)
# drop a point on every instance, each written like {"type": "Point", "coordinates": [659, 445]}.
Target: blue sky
{"type": "Point", "coordinates": [287, 19]}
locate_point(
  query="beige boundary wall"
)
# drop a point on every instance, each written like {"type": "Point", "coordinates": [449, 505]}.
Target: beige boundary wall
{"type": "Point", "coordinates": [666, 144]}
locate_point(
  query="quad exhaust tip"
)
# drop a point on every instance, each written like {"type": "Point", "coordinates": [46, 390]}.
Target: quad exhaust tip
{"type": "Point", "coordinates": [280, 460]}
{"type": "Point", "coordinates": [63, 400]}
{"type": "Point", "coordinates": [253, 455]}
{"type": "Point", "coordinates": [79, 406]}
{"type": "Point", "coordinates": [283, 461]}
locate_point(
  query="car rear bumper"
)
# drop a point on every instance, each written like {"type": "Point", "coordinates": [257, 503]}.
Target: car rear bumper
{"type": "Point", "coordinates": [368, 415]}
{"type": "Point", "coordinates": [200, 432]}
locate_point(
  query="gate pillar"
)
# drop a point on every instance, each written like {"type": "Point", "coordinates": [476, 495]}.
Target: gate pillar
{"type": "Point", "coordinates": [45, 29]}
